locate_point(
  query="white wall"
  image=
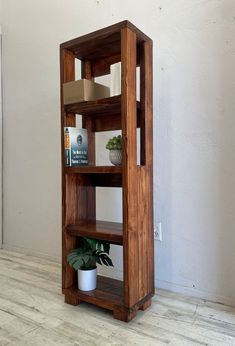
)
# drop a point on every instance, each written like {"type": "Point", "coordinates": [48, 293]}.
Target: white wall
{"type": "Point", "coordinates": [194, 128]}
{"type": "Point", "coordinates": [0, 130]}
{"type": "Point", "coordinates": [0, 124]}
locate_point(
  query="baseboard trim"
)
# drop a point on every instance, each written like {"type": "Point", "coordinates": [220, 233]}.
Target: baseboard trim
{"type": "Point", "coordinates": [193, 292]}
{"type": "Point", "coordinates": [174, 288]}
{"type": "Point", "coordinates": [184, 290]}
{"type": "Point", "coordinates": [28, 252]}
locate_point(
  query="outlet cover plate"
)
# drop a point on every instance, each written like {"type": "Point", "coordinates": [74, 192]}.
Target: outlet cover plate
{"type": "Point", "coordinates": [158, 231]}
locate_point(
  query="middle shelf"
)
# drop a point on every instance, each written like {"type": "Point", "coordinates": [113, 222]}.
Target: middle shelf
{"type": "Point", "coordinates": [105, 113]}
{"type": "Point", "coordinates": [93, 169]}
{"type": "Point", "coordinates": [105, 106]}
{"type": "Point", "coordinates": [103, 176]}
{"type": "Point", "coordinates": [103, 230]}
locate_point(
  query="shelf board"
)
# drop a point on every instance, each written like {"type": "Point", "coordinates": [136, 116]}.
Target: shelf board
{"type": "Point", "coordinates": [106, 106]}
{"type": "Point", "coordinates": [103, 230]}
{"type": "Point", "coordinates": [102, 43]}
{"type": "Point", "coordinates": [108, 294]}
{"type": "Point", "coordinates": [98, 107]}
{"type": "Point", "coordinates": [94, 169]}
{"type": "Point", "coordinates": [106, 113]}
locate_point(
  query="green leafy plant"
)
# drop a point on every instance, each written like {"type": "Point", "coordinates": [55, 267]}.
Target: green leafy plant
{"type": "Point", "coordinates": [90, 252]}
{"type": "Point", "coordinates": [114, 143]}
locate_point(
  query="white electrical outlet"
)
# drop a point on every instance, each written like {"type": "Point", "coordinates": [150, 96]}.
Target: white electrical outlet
{"type": "Point", "coordinates": [158, 231]}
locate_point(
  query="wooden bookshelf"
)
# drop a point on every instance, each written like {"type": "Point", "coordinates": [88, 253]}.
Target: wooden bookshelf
{"type": "Point", "coordinates": [120, 42]}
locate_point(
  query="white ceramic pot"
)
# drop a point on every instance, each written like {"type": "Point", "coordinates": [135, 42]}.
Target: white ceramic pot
{"type": "Point", "coordinates": [87, 279]}
{"type": "Point", "coordinates": [115, 156]}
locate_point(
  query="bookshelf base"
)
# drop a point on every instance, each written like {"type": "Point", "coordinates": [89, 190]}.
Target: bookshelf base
{"type": "Point", "coordinates": [107, 295]}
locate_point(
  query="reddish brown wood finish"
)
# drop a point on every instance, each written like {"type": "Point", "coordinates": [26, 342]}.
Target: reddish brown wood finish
{"type": "Point", "coordinates": [120, 42]}
{"type": "Point", "coordinates": [109, 105]}
{"type": "Point", "coordinates": [103, 43]}
{"type": "Point", "coordinates": [94, 179]}
{"type": "Point", "coordinates": [93, 169]}
{"type": "Point", "coordinates": [67, 73]}
{"type": "Point", "coordinates": [108, 295]}
{"type": "Point", "coordinates": [146, 305]}
{"type": "Point", "coordinates": [104, 113]}
{"type": "Point", "coordinates": [111, 231]}
{"type": "Point", "coordinates": [88, 124]}
{"type": "Point", "coordinates": [145, 194]}
{"type": "Point", "coordinates": [130, 207]}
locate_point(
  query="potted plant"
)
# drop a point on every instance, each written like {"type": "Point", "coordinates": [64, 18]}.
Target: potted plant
{"type": "Point", "coordinates": [85, 258]}
{"type": "Point", "coordinates": [115, 150]}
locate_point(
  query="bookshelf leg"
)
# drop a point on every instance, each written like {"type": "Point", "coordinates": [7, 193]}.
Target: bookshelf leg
{"type": "Point", "coordinates": [72, 300]}
{"type": "Point", "coordinates": [146, 305]}
{"type": "Point", "coordinates": [123, 315]}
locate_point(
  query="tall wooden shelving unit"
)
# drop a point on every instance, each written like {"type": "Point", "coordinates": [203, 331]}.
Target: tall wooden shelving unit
{"type": "Point", "coordinates": [120, 42]}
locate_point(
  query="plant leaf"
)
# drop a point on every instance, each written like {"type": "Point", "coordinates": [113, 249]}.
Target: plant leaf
{"type": "Point", "coordinates": [110, 262]}
{"type": "Point", "coordinates": [77, 265]}
{"type": "Point", "coordinates": [106, 247]}
{"type": "Point", "coordinates": [90, 252]}
{"type": "Point", "coordinates": [104, 261]}
{"type": "Point", "coordinates": [99, 245]}
{"type": "Point", "coordinates": [91, 242]}
{"type": "Point", "coordinates": [98, 259]}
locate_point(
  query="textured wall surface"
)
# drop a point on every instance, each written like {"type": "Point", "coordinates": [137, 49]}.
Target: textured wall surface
{"type": "Point", "coordinates": [0, 130]}
{"type": "Point", "coordinates": [194, 126]}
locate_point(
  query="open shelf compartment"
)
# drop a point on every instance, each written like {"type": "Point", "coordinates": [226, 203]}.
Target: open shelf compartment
{"type": "Point", "coordinates": [103, 230]}
{"type": "Point", "coordinates": [105, 113]}
{"type": "Point", "coordinates": [101, 107]}
{"type": "Point", "coordinates": [108, 294]}
{"type": "Point", "coordinates": [94, 169]}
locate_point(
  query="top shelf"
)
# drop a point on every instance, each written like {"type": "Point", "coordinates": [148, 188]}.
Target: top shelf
{"type": "Point", "coordinates": [102, 43]}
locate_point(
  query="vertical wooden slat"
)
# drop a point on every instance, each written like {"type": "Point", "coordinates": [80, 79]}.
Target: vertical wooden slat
{"type": "Point", "coordinates": [148, 49]}
{"type": "Point", "coordinates": [142, 104]}
{"type": "Point", "coordinates": [86, 69]}
{"type": "Point", "coordinates": [146, 103]}
{"type": "Point", "coordinates": [145, 192]}
{"type": "Point", "coordinates": [141, 220]}
{"type": "Point", "coordinates": [67, 74]}
{"type": "Point", "coordinates": [88, 123]}
{"type": "Point", "coordinates": [129, 123]}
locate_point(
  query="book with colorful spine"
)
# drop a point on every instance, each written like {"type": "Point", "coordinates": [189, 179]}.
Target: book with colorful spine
{"type": "Point", "coordinates": [75, 146]}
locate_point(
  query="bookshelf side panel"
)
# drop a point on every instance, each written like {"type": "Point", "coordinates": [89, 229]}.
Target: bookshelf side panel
{"type": "Point", "coordinates": [145, 191]}
{"type": "Point", "coordinates": [129, 124]}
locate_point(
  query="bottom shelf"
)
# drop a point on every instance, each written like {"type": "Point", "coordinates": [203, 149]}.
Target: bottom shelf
{"type": "Point", "coordinates": [108, 294]}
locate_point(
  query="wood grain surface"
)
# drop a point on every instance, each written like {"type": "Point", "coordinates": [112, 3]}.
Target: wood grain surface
{"type": "Point", "coordinates": [120, 42]}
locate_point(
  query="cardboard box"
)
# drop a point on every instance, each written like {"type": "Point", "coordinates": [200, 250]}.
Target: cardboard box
{"type": "Point", "coordinates": [84, 90]}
